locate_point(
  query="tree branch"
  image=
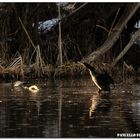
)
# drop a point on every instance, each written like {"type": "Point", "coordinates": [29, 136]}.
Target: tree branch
{"type": "Point", "coordinates": [114, 35]}
{"type": "Point", "coordinates": [128, 46]}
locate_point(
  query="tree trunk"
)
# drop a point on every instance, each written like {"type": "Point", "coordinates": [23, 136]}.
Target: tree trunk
{"type": "Point", "coordinates": [114, 35]}
{"type": "Point", "coordinates": [128, 46]}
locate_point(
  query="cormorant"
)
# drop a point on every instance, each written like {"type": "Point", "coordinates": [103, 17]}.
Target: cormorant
{"type": "Point", "coordinates": [101, 79]}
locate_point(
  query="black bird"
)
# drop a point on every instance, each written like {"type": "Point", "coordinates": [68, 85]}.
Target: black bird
{"type": "Point", "coordinates": [101, 79]}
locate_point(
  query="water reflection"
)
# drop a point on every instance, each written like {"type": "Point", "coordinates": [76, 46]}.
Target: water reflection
{"type": "Point", "coordinates": [136, 89]}
{"type": "Point", "coordinates": [66, 108]}
{"type": "Point", "coordinates": [99, 105]}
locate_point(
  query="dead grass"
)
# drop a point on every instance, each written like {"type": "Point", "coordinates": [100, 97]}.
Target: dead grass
{"type": "Point", "coordinates": [70, 68]}
{"type": "Point", "coordinates": [17, 69]}
{"type": "Point", "coordinates": [39, 63]}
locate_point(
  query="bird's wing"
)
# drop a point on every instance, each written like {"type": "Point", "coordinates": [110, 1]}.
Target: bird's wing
{"type": "Point", "coordinates": [108, 78]}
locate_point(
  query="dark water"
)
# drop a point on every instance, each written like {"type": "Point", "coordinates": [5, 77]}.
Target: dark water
{"type": "Point", "coordinates": [68, 108]}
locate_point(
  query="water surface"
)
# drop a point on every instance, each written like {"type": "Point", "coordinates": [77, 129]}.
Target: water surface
{"type": "Point", "coordinates": [68, 108]}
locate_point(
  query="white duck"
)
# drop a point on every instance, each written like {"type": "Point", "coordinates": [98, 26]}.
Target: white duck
{"type": "Point", "coordinates": [17, 83]}
{"type": "Point", "coordinates": [32, 88]}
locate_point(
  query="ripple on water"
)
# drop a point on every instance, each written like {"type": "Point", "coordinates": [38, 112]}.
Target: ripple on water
{"type": "Point", "coordinates": [63, 109]}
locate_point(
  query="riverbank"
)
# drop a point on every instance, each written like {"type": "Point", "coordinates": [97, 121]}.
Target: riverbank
{"type": "Point", "coordinates": [18, 71]}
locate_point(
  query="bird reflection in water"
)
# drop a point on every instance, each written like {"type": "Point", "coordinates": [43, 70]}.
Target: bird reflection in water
{"type": "Point", "coordinates": [99, 105]}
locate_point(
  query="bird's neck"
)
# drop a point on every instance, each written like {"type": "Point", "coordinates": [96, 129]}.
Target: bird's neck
{"type": "Point", "coordinates": [94, 79]}
{"type": "Point", "coordinates": [92, 69]}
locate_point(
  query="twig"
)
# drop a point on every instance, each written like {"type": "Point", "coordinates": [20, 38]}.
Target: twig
{"type": "Point", "coordinates": [76, 10]}
{"type": "Point", "coordinates": [13, 32]}
{"type": "Point", "coordinates": [73, 5]}
{"type": "Point", "coordinates": [27, 33]}
{"type": "Point", "coordinates": [114, 21]}
{"type": "Point", "coordinates": [102, 28]}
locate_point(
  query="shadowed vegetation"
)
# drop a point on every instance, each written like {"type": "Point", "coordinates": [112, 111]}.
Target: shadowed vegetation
{"type": "Point", "coordinates": [28, 52]}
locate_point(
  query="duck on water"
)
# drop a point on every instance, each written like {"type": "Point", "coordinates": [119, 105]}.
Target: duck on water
{"type": "Point", "coordinates": [32, 88]}
{"type": "Point", "coordinates": [101, 79]}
